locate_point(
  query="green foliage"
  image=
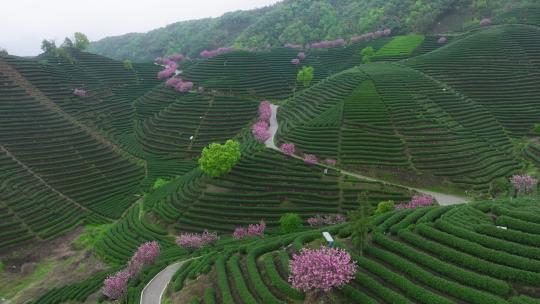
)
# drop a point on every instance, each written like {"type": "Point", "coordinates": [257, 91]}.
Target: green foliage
{"type": "Point", "coordinates": [160, 182]}
{"type": "Point", "coordinates": [217, 159]}
{"type": "Point", "coordinates": [536, 129]}
{"type": "Point", "coordinates": [367, 53]}
{"type": "Point", "coordinates": [290, 222]}
{"type": "Point", "coordinates": [128, 65]}
{"type": "Point", "coordinates": [384, 207]}
{"type": "Point", "coordinates": [3, 52]}
{"type": "Point", "coordinates": [48, 45]}
{"type": "Point", "coordinates": [81, 41]}
{"type": "Point", "coordinates": [362, 222]}
{"type": "Point", "coordinates": [301, 21]}
{"type": "Point", "coordinates": [401, 46]}
{"type": "Point", "coordinates": [305, 76]}
{"type": "Point", "coordinates": [90, 236]}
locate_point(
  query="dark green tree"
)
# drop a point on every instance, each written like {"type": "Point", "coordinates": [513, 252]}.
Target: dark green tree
{"type": "Point", "coordinates": [361, 223]}
{"type": "Point", "coordinates": [48, 46]}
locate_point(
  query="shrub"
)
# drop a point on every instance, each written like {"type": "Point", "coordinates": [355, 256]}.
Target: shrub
{"type": "Point", "coordinates": [305, 76]}
{"type": "Point", "coordinates": [536, 129]}
{"type": "Point", "coordinates": [160, 182]}
{"type": "Point", "coordinates": [384, 207]}
{"type": "Point", "coordinates": [217, 159]}
{"type": "Point", "coordinates": [290, 222]}
{"type": "Point", "coordinates": [367, 53]}
{"type": "Point", "coordinates": [321, 269]}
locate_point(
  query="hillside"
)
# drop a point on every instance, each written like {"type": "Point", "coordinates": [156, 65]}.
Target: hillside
{"type": "Point", "coordinates": [98, 157]}
{"type": "Point", "coordinates": [298, 22]}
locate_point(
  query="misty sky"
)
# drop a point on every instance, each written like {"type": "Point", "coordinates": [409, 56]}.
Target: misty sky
{"type": "Point", "coordinates": [25, 23]}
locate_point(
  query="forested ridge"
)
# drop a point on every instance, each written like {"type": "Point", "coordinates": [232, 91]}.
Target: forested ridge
{"type": "Point", "coordinates": [300, 22]}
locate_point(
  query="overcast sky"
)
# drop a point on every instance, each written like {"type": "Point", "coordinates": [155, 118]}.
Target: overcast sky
{"type": "Point", "coordinates": [25, 23]}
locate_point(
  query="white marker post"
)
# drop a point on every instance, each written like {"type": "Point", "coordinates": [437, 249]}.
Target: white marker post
{"type": "Point", "coordinates": [328, 239]}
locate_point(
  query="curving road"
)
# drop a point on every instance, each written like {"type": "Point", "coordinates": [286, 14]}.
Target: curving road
{"type": "Point", "coordinates": [154, 290]}
{"type": "Point", "coordinates": [442, 198]}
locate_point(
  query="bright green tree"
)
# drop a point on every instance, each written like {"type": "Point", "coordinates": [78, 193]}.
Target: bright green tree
{"type": "Point", "coordinates": [217, 159]}
{"type": "Point", "coordinates": [367, 53]}
{"type": "Point", "coordinates": [305, 75]}
{"type": "Point", "coordinates": [290, 222]}
{"type": "Point", "coordinates": [128, 65]}
{"type": "Point", "coordinates": [384, 207]}
{"type": "Point", "coordinates": [81, 41]}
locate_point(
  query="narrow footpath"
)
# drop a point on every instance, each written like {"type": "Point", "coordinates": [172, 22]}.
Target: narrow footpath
{"type": "Point", "coordinates": [442, 198]}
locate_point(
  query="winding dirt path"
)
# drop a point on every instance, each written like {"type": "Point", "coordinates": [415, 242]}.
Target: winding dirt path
{"type": "Point", "coordinates": [442, 198]}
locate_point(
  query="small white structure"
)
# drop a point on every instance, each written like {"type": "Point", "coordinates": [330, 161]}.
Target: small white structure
{"type": "Point", "coordinates": [502, 227]}
{"type": "Point", "coordinates": [191, 137]}
{"type": "Point", "coordinates": [329, 239]}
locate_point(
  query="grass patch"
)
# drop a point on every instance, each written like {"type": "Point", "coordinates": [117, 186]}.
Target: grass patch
{"type": "Point", "coordinates": [90, 236]}
{"type": "Point", "coordinates": [400, 46]}
{"type": "Point", "coordinates": [10, 288]}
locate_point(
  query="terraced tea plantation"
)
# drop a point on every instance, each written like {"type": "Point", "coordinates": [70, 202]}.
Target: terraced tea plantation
{"type": "Point", "coordinates": [454, 254]}
{"type": "Point", "coordinates": [104, 156]}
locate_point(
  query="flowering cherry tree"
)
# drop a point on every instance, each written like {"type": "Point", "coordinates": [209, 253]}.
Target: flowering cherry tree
{"type": "Point", "coordinates": [288, 149]}
{"type": "Point", "coordinates": [196, 240]}
{"type": "Point", "coordinates": [328, 44]}
{"type": "Point", "coordinates": [418, 201]}
{"type": "Point", "coordinates": [265, 111]}
{"type": "Point", "coordinates": [330, 162]}
{"type": "Point", "coordinates": [523, 183]}
{"type": "Point", "coordinates": [321, 269]}
{"type": "Point", "coordinates": [184, 86]}
{"type": "Point", "coordinates": [310, 159]}
{"type": "Point", "coordinates": [173, 82]}
{"type": "Point", "coordinates": [485, 22]}
{"type": "Point", "coordinates": [80, 93]}
{"type": "Point", "coordinates": [251, 230]}
{"type": "Point", "coordinates": [293, 46]}
{"type": "Point", "coordinates": [115, 286]}
{"type": "Point", "coordinates": [295, 61]}
{"type": "Point", "coordinates": [177, 57]}
{"type": "Point", "coordinates": [216, 52]}
{"type": "Point", "coordinates": [301, 55]}
{"type": "Point", "coordinates": [330, 219]}
{"type": "Point", "coordinates": [260, 131]}
{"type": "Point", "coordinates": [442, 40]}
{"type": "Point", "coordinates": [146, 254]}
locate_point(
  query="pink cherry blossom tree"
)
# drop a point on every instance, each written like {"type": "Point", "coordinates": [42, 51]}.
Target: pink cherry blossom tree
{"type": "Point", "coordinates": [260, 131]}
{"type": "Point", "coordinates": [485, 22]}
{"type": "Point", "coordinates": [288, 149]}
{"type": "Point", "coordinates": [80, 93]}
{"type": "Point", "coordinates": [321, 269]}
{"type": "Point", "coordinates": [442, 40]}
{"type": "Point", "coordinates": [310, 159]}
{"type": "Point", "coordinates": [418, 201]}
{"type": "Point", "coordinates": [330, 162]}
{"type": "Point", "coordinates": [115, 286]}
{"type": "Point", "coordinates": [295, 61]}
{"type": "Point", "coordinates": [524, 183]}
{"type": "Point", "coordinates": [146, 254]}
{"type": "Point", "coordinates": [329, 219]}
{"type": "Point", "coordinates": [301, 55]}
{"type": "Point", "coordinates": [265, 111]}
{"type": "Point", "coordinates": [196, 240]}
{"type": "Point", "coordinates": [177, 57]}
